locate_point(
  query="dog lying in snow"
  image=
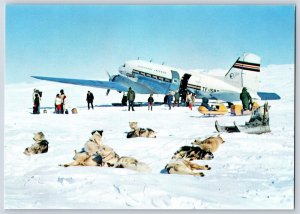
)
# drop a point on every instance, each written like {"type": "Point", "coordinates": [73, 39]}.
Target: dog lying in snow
{"type": "Point", "coordinates": [140, 132]}
{"type": "Point", "coordinates": [210, 144]}
{"type": "Point", "coordinates": [84, 159]}
{"type": "Point", "coordinates": [111, 159]}
{"type": "Point", "coordinates": [192, 153]}
{"type": "Point", "coordinates": [40, 145]}
{"type": "Point", "coordinates": [107, 157]}
{"type": "Point", "coordinates": [185, 167]}
{"type": "Point", "coordinates": [95, 153]}
{"type": "Point", "coordinates": [181, 161]}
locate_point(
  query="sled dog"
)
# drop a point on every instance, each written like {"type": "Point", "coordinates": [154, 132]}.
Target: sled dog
{"type": "Point", "coordinates": [94, 143]}
{"type": "Point", "coordinates": [95, 153]}
{"type": "Point", "coordinates": [210, 144]}
{"type": "Point", "coordinates": [140, 132]}
{"type": "Point", "coordinates": [185, 167]}
{"type": "Point", "coordinates": [84, 159]}
{"type": "Point", "coordinates": [111, 159]}
{"type": "Point", "coordinates": [192, 153]}
{"type": "Point", "coordinates": [40, 145]}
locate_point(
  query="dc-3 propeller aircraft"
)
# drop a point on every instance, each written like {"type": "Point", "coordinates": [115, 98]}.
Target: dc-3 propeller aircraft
{"type": "Point", "coordinates": [149, 78]}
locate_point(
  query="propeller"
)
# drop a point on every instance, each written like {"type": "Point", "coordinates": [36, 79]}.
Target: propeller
{"type": "Point", "coordinates": [110, 80]}
{"type": "Point", "coordinates": [109, 76]}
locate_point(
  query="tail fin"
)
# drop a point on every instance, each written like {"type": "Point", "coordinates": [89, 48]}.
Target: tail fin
{"type": "Point", "coordinates": [245, 72]}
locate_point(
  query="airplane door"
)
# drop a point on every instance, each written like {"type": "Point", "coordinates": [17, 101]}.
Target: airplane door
{"type": "Point", "coordinates": [175, 81]}
{"type": "Point", "coordinates": [184, 82]}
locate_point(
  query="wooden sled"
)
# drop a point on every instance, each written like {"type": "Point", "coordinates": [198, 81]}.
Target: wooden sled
{"type": "Point", "coordinates": [249, 129]}
{"type": "Point", "coordinates": [220, 109]}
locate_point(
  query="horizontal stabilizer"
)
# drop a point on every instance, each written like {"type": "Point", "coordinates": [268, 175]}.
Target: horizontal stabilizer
{"type": "Point", "coordinates": [91, 83]}
{"type": "Point", "coordinates": [268, 96]}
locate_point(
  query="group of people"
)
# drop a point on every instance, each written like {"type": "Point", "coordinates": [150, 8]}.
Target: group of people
{"type": "Point", "coordinates": [188, 100]}
{"type": "Point", "coordinates": [60, 101]}
{"type": "Point", "coordinates": [245, 97]}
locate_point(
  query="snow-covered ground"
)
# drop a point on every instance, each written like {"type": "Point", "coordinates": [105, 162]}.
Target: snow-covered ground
{"type": "Point", "coordinates": [248, 171]}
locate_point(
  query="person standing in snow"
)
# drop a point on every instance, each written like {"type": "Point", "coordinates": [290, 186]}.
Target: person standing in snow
{"type": "Point", "coordinates": [169, 100]}
{"type": "Point", "coordinates": [57, 103]}
{"type": "Point", "coordinates": [90, 99]}
{"type": "Point", "coordinates": [176, 101]}
{"type": "Point", "coordinates": [150, 102]}
{"type": "Point", "coordinates": [246, 99]}
{"type": "Point", "coordinates": [130, 97]}
{"type": "Point", "coordinates": [189, 101]}
{"type": "Point", "coordinates": [36, 104]}
{"type": "Point", "coordinates": [62, 97]}
{"type": "Point", "coordinates": [183, 99]}
{"type": "Point", "coordinates": [193, 99]}
{"type": "Point", "coordinates": [39, 93]}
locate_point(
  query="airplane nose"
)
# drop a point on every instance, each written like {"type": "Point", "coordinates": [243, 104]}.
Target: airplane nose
{"type": "Point", "coordinates": [121, 70]}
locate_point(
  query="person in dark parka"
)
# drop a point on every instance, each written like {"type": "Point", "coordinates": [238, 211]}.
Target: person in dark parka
{"type": "Point", "coordinates": [176, 96]}
{"type": "Point", "coordinates": [246, 99]}
{"type": "Point", "coordinates": [150, 102]}
{"type": "Point", "coordinates": [205, 104]}
{"type": "Point", "coordinates": [130, 97]}
{"type": "Point", "coordinates": [90, 99]}
{"type": "Point", "coordinates": [36, 104]}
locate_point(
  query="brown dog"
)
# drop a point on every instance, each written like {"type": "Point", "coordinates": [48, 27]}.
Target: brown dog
{"type": "Point", "coordinates": [210, 144]}
{"type": "Point", "coordinates": [95, 153]}
{"type": "Point", "coordinates": [94, 144]}
{"type": "Point", "coordinates": [40, 145]}
{"type": "Point", "coordinates": [111, 159]}
{"type": "Point", "coordinates": [140, 132]}
{"type": "Point", "coordinates": [185, 167]}
{"type": "Point", "coordinates": [84, 159]}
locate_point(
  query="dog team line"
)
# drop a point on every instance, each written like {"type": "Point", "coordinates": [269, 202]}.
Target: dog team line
{"type": "Point", "coordinates": [95, 153]}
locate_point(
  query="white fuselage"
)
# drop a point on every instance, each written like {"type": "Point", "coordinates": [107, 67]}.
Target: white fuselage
{"type": "Point", "coordinates": [197, 81]}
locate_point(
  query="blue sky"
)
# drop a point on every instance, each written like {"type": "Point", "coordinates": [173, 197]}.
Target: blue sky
{"type": "Point", "coordinates": [85, 41]}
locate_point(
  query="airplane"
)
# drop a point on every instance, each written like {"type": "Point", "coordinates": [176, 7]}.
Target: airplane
{"type": "Point", "coordinates": [146, 77]}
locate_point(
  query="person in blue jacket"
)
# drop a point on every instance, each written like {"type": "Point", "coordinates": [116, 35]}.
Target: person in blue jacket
{"type": "Point", "coordinates": [169, 100]}
{"type": "Point", "coordinates": [205, 104]}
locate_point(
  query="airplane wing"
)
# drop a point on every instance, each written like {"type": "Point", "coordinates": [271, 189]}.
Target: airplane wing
{"type": "Point", "coordinates": [92, 83]}
{"type": "Point", "coordinates": [234, 96]}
